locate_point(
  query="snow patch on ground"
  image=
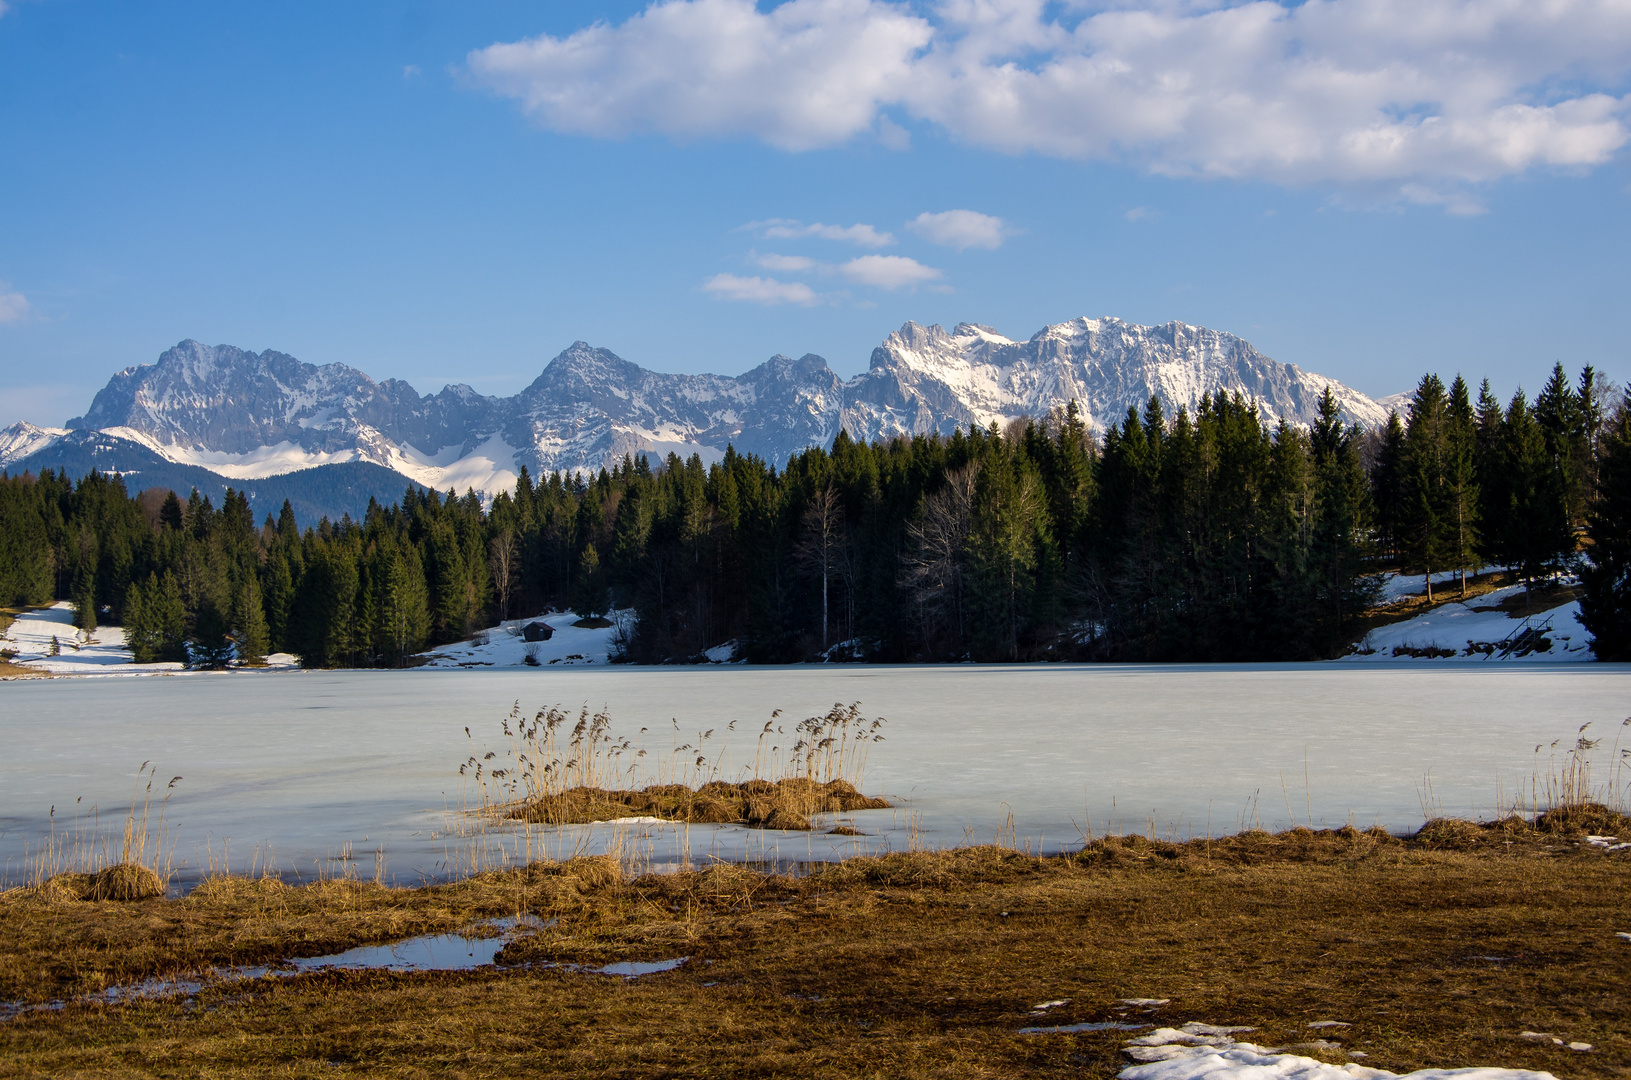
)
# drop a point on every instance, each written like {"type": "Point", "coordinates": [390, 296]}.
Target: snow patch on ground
{"type": "Point", "coordinates": [102, 652]}
{"type": "Point", "coordinates": [1470, 629]}
{"type": "Point", "coordinates": [1396, 587]}
{"type": "Point", "coordinates": [503, 647]}
{"type": "Point", "coordinates": [721, 654]}
{"type": "Point", "coordinates": [1205, 1052]}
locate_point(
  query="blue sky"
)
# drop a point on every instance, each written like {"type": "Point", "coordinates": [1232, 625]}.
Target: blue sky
{"type": "Point", "coordinates": [454, 192]}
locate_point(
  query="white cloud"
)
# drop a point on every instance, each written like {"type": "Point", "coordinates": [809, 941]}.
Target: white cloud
{"type": "Point", "coordinates": [14, 306]}
{"type": "Point", "coordinates": [888, 271]}
{"type": "Point", "coordinates": [410, 71]}
{"type": "Point", "coordinates": [961, 229]}
{"type": "Point", "coordinates": [1354, 94]}
{"type": "Point", "coordinates": [892, 135]}
{"type": "Point", "coordinates": [785, 264]}
{"type": "Point", "coordinates": [789, 229]}
{"type": "Point", "coordinates": [760, 290]}
{"type": "Point", "coordinates": [806, 73]}
{"type": "Point", "coordinates": [1139, 213]}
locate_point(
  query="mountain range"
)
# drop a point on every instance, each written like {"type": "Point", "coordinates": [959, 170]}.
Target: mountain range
{"type": "Point", "coordinates": [329, 437]}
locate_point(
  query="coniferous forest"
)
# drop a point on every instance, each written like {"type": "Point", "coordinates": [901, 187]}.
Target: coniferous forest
{"type": "Point", "coordinates": [1201, 537]}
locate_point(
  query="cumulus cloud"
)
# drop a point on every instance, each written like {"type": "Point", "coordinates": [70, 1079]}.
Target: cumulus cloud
{"type": "Point", "coordinates": [14, 306]}
{"type": "Point", "coordinates": [789, 229]}
{"type": "Point", "coordinates": [804, 74]}
{"type": "Point", "coordinates": [888, 271]}
{"type": "Point", "coordinates": [1345, 93]}
{"type": "Point", "coordinates": [760, 290]}
{"type": "Point", "coordinates": [961, 229]}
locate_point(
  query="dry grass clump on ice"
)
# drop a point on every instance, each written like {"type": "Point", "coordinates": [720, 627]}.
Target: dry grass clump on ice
{"type": "Point", "coordinates": [561, 770]}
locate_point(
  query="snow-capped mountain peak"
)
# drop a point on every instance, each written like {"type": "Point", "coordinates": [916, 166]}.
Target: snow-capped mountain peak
{"type": "Point", "coordinates": [245, 415]}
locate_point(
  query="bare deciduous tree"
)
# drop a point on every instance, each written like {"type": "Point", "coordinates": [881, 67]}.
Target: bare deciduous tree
{"type": "Point", "coordinates": [821, 548]}
{"type": "Point", "coordinates": [503, 559]}
{"type": "Point", "coordinates": [938, 539]}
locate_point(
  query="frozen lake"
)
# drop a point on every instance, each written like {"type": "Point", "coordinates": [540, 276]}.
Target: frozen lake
{"type": "Point", "coordinates": [308, 765]}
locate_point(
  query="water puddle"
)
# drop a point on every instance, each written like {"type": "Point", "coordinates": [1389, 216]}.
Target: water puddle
{"type": "Point", "coordinates": [433, 952]}
{"type": "Point", "coordinates": [1072, 1029]}
{"type": "Point", "coordinates": [477, 947]}
{"type": "Point", "coordinates": [633, 969]}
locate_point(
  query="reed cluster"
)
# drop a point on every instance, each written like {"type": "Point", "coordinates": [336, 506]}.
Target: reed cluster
{"type": "Point", "coordinates": [86, 862]}
{"type": "Point", "coordinates": [557, 769]}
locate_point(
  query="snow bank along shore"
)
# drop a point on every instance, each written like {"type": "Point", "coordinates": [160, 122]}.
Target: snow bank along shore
{"type": "Point", "coordinates": [1207, 1052]}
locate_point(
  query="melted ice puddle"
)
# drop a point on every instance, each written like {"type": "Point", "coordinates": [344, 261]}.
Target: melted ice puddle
{"type": "Point", "coordinates": [429, 952]}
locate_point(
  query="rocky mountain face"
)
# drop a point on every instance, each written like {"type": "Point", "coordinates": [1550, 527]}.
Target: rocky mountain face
{"type": "Point", "coordinates": [244, 415]}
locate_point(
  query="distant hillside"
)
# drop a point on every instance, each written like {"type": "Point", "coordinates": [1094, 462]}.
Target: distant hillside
{"type": "Point", "coordinates": [330, 491]}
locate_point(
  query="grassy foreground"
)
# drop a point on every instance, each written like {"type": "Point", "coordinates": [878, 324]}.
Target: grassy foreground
{"type": "Point", "coordinates": [1440, 950]}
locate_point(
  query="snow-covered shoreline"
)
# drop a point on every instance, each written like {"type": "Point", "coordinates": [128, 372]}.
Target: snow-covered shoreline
{"type": "Point", "coordinates": [101, 653]}
{"type": "Point", "coordinates": [1476, 630]}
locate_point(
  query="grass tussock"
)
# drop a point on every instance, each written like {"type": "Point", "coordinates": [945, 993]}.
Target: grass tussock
{"type": "Point", "coordinates": [916, 964]}
{"type": "Point", "coordinates": [785, 804]}
{"type": "Point", "coordinates": [555, 769]}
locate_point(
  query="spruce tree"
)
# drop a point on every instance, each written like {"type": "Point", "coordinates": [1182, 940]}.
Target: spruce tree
{"type": "Point", "coordinates": [168, 614]}
{"type": "Point", "coordinates": [249, 629]}
{"type": "Point", "coordinates": [1537, 532]}
{"type": "Point", "coordinates": [1562, 422]}
{"type": "Point", "coordinates": [405, 611]}
{"type": "Point", "coordinates": [170, 513]}
{"type": "Point", "coordinates": [588, 585]}
{"type": "Point", "coordinates": [1344, 518]}
{"type": "Point", "coordinates": [1388, 485]}
{"type": "Point", "coordinates": [277, 593]}
{"type": "Point", "coordinates": [1605, 605]}
{"type": "Point", "coordinates": [85, 602]}
{"type": "Point", "coordinates": [1461, 483]}
{"type": "Point", "coordinates": [1424, 526]}
{"type": "Point", "coordinates": [1490, 474]}
{"type": "Point", "coordinates": [142, 637]}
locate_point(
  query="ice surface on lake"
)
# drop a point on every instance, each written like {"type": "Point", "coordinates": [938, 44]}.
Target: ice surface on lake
{"type": "Point", "coordinates": [320, 770]}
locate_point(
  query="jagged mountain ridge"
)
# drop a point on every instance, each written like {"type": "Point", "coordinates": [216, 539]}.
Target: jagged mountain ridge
{"type": "Point", "coordinates": [244, 415]}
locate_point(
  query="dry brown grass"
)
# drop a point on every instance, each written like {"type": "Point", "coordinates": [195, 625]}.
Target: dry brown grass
{"type": "Point", "coordinates": [1438, 950]}
{"type": "Point", "coordinates": [784, 804]}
